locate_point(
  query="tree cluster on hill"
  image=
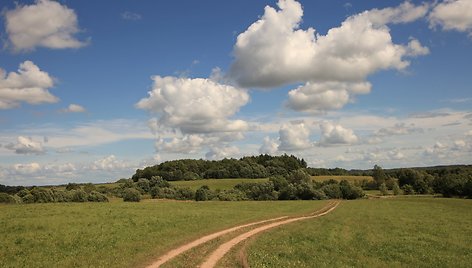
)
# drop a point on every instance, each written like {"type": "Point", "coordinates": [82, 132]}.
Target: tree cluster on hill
{"type": "Point", "coordinates": [261, 166]}
{"type": "Point", "coordinates": [297, 185]}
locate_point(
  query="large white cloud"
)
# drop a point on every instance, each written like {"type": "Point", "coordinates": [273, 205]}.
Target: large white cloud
{"type": "Point", "coordinates": [294, 136]}
{"type": "Point", "coordinates": [269, 146]}
{"type": "Point", "coordinates": [43, 24]}
{"type": "Point", "coordinates": [273, 51]}
{"type": "Point", "coordinates": [334, 134]}
{"type": "Point", "coordinates": [324, 96]}
{"type": "Point", "coordinates": [29, 84]}
{"type": "Point", "coordinates": [452, 15]}
{"type": "Point", "coordinates": [220, 152]}
{"type": "Point", "coordinates": [195, 105]}
{"type": "Point", "coordinates": [26, 145]}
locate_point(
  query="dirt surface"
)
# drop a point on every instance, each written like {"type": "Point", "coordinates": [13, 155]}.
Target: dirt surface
{"type": "Point", "coordinates": [175, 252]}
{"type": "Point", "coordinates": [225, 247]}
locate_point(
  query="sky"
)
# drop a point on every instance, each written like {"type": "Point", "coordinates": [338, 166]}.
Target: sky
{"type": "Point", "coordinates": [92, 90]}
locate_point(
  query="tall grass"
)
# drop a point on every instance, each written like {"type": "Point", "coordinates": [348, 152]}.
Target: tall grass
{"type": "Point", "coordinates": [408, 232]}
{"type": "Point", "coordinates": [118, 234]}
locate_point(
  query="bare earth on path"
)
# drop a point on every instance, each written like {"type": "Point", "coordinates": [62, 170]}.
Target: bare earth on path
{"type": "Point", "coordinates": [224, 248]}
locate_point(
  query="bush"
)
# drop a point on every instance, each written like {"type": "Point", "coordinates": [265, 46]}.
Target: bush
{"type": "Point", "coordinates": [231, 195]}
{"type": "Point", "coordinates": [62, 196]}
{"type": "Point", "coordinates": [204, 193]}
{"type": "Point", "coordinates": [42, 195]}
{"type": "Point", "coordinates": [159, 182]}
{"type": "Point", "coordinates": [162, 193]}
{"type": "Point", "coordinates": [7, 199]}
{"type": "Point", "coordinates": [78, 196]}
{"type": "Point", "coordinates": [184, 194]}
{"type": "Point", "coordinates": [408, 189]}
{"type": "Point", "coordinates": [350, 191]}
{"type": "Point", "coordinates": [72, 186]}
{"type": "Point", "coordinates": [28, 198]}
{"type": "Point", "coordinates": [143, 185]}
{"type": "Point", "coordinates": [131, 195]}
{"type": "Point", "coordinates": [396, 189]}
{"type": "Point", "coordinates": [332, 191]}
{"type": "Point", "coordinates": [89, 187]}
{"type": "Point", "coordinates": [383, 189]}
{"type": "Point", "coordinates": [97, 197]}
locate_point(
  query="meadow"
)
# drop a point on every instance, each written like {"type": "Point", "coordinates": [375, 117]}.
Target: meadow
{"type": "Point", "coordinates": [214, 184]}
{"type": "Point", "coordinates": [119, 234]}
{"type": "Point", "coordinates": [349, 178]}
{"type": "Point", "coordinates": [395, 232]}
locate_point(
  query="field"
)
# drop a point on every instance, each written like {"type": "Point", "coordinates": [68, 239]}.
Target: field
{"type": "Point", "coordinates": [408, 232]}
{"type": "Point", "coordinates": [221, 184]}
{"type": "Point", "coordinates": [119, 234]}
{"type": "Point", "coordinates": [339, 178]}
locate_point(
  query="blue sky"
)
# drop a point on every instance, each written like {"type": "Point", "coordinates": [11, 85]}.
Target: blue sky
{"type": "Point", "coordinates": [91, 91]}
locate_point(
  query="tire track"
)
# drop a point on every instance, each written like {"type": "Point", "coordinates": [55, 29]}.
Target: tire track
{"type": "Point", "coordinates": [224, 248]}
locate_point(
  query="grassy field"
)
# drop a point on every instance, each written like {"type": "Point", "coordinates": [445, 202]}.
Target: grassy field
{"type": "Point", "coordinates": [339, 178]}
{"type": "Point", "coordinates": [119, 234]}
{"type": "Point", "coordinates": [222, 184]}
{"type": "Point", "coordinates": [407, 232]}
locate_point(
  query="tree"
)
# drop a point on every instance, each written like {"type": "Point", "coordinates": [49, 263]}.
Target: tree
{"type": "Point", "coordinates": [408, 189]}
{"type": "Point", "coordinates": [379, 175]}
{"type": "Point", "coordinates": [396, 189]}
{"type": "Point", "coordinates": [383, 189]}
{"type": "Point", "coordinates": [131, 195]}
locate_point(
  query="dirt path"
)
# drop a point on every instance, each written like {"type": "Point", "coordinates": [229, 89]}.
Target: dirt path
{"type": "Point", "coordinates": [224, 248]}
{"type": "Point", "coordinates": [177, 251]}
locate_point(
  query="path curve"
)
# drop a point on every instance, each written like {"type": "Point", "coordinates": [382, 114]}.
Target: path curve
{"type": "Point", "coordinates": [177, 251]}
{"type": "Point", "coordinates": [224, 248]}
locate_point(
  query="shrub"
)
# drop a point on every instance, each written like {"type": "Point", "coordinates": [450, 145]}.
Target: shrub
{"type": "Point", "coordinates": [62, 196]}
{"type": "Point", "coordinates": [7, 199]}
{"type": "Point", "coordinates": [143, 185]}
{"type": "Point", "coordinates": [184, 194]}
{"type": "Point", "coordinates": [231, 195]}
{"type": "Point", "coordinates": [78, 196]}
{"type": "Point", "coordinates": [89, 187]}
{"type": "Point", "coordinates": [408, 189]}
{"type": "Point", "coordinates": [383, 189]}
{"type": "Point", "coordinates": [159, 182]}
{"type": "Point", "coordinates": [332, 191]}
{"type": "Point", "coordinates": [162, 193]}
{"type": "Point", "coordinates": [350, 191]}
{"type": "Point", "coordinates": [299, 176]}
{"type": "Point", "coordinates": [204, 193]}
{"type": "Point", "coordinates": [72, 186]}
{"type": "Point", "coordinates": [42, 195]}
{"type": "Point", "coordinates": [28, 198]}
{"type": "Point", "coordinates": [396, 189]}
{"type": "Point", "coordinates": [131, 195]}
{"type": "Point", "coordinates": [97, 197]}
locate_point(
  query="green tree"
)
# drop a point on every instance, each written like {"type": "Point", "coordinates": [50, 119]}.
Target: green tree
{"type": "Point", "coordinates": [396, 189]}
{"type": "Point", "coordinates": [379, 175]}
{"type": "Point", "coordinates": [383, 189]}
{"type": "Point", "coordinates": [131, 195]}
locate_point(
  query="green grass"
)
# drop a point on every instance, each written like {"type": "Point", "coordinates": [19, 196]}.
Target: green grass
{"type": "Point", "coordinates": [407, 232]}
{"type": "Point", "coordinates": [221, 184]}
{"type": "Point", "coordinates": [339, 178]}
{"type": "Point", "coordinates": [119, 234]}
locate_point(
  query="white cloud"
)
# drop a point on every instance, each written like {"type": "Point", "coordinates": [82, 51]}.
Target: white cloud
{"type": "Point", "coordinates": [26, 145]}
{"type": "Point", "coordinates": [195, 105]}
{"type": "Point", "coordinates": [333, 134]}
{"type": "Point", "coordinates": [398, 129]}
{"type": "Point", "coordinates": [274, 51]}
{"type": "Point", "coordinates": [217, 153]}
{"type": "Point", "coordinates": [270, 146]}
{"type": "Point", "coordinates": [324, 96]}
{"type": "Point", "coordinates": [127, 15]}
{"type": "Point", "coordinates": [43, 24]}
{"type": "Point", "coordinates": [452, 15]}
{"type": "Point", "coordinates": [29, 84]}
{"type": "Point", "coordinates": [74, 108]}
{"type": "Point", "coordinates": [294, 136]}
{"type": "Point", "coordinates": [109, 163]}
{"type": "Point", "coordinates": [27, 169]}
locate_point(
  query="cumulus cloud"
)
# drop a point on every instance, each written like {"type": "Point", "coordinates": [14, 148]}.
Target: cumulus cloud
{"type": "Point", "coordinates": [195, 105]}
{"type": "Point", "coordinates": [294, 136]}
{"type": "Point", "coordinates": [26, 145]}
{"type": "Point", "coordinates": [324, 96]}
{"type": "Point", "coordinates": [269, 146]}
{"type": "Point", "coordinates": [74, 108]}
{"type": "Point", "coordinates": [127, 15]}
{"type": "Point", "coordinates": [29, 84]}
{"type": "Point", "coordinates": [43, 24]}
{"type": "Point", "coordinates": [274, 51]}
{"type": "Point", "coordinates": [398, 129]}
{"type": "Point", "coordinates": [217, 153]}
{"type": "Point", "coordinates": [26, 169]}
{"type": "Point", "coordinates": [452, 15]}
{"type": "Point", "coordinates": [334, 134]}
{"type": "Point", "coordinates": [109, 163]}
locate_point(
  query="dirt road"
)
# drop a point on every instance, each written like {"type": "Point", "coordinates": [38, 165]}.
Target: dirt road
{"type": "Point", "coordinates": [224, 248]}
